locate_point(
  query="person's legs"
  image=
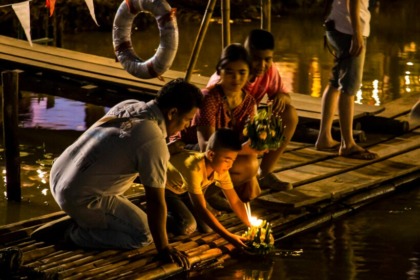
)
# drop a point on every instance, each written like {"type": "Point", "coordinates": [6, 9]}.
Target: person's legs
{"type": "Point", "coordinates": [329, 106]}
{"type": "Point", "coordinates": [244, 169]}
{"type": "Point", "coordinates": [290, 120]}
{"type": "Point", "coordinates": [110, 222]}
{"type": "Point", "coordinates": [180, 220]}
{"type": "Point", "coordinates": [349, 147]}
{"type": "Point", "coordinates": [346, 113]}
{"type": "Point", "coordinates": [200, 224]}
{"type": "Point", "coordinates": [248, 190]}
{"type": "Point", "coordinates": [350, 81]}
{"type": "Point", "coordinates": [244, 177]}
{"type": "Point", "coordinates": [341, 44]}
{"type": "Point", "coordinates": [346, 78]}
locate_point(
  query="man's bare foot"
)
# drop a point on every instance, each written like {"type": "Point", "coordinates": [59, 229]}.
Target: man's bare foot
{"type": "Point", "coordinates": [357, 152]}
{"type": "Point", "coordinates": [330, 146]}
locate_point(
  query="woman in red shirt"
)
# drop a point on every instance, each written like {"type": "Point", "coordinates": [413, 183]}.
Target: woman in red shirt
{"type": "Point", "coordinates": [227, 105]}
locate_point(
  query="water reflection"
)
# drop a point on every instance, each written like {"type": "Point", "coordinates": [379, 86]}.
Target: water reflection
{"type": "Point", "coordinates": [47, 125]}
{"type": "Point", "coordinates": [379, 242]}
{"type": "Point", "coordinates": [392, 66]}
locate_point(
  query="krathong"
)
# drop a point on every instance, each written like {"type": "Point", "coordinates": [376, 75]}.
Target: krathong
{"type": "Point", "coordinates": [265, 130]}
{"type": "Point", "coordinates": [259, 235]}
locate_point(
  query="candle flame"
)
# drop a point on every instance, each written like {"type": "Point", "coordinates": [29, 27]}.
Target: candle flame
{"type": "Point", "coordinates": [255, 222]}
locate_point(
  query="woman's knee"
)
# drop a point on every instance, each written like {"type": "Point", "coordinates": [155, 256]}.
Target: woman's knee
{"type": "Point", "coordinates": [290, 116]}
{"type": "Point", "coordinates": [248, 190]}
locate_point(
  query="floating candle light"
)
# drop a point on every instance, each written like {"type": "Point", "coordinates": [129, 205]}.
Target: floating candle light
{"type": "Point", "coordinates": [260, 239]}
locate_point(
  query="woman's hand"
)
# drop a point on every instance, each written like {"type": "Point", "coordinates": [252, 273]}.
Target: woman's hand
{"type": "Point", "coordinates": [280, 100]}
{"type": "Point", "coordinates": [357, 44]}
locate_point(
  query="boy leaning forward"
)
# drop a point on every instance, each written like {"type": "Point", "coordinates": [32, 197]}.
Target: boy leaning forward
{"type": "Point", "coordinates": [188, 176]}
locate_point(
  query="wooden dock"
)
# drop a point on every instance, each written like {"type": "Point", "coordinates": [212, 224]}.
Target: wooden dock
{"type": "Point", "coordinates": [95, 78]}
{"type": "Point", "coordinates": [326, 186]}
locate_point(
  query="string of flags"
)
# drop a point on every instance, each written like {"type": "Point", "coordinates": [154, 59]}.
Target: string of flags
{"type": "Point", "coordinates": [22, 11]}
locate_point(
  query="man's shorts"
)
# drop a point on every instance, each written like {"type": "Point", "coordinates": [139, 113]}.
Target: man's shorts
{"type": "Point", "coordinates": [347, 71]}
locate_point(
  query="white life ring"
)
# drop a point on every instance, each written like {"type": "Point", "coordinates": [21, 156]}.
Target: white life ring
{"type": "Point", "coordinates": [168, 30]}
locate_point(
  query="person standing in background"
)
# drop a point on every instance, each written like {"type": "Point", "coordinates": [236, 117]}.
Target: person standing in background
{"type": "Point", "coordinates": [347, 29]}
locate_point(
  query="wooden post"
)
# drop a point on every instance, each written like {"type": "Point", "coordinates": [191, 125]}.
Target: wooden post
{"type": "Point", "coordinates": [200, 38]}
{"type": "Point", "coordinates": [58, 30]}
{"type": "Point", "coordinates": [266, 15]}
{"type": "Point", "coordinates": [225, 23]}
{"type": "Point", "coordinates": [10, 81]}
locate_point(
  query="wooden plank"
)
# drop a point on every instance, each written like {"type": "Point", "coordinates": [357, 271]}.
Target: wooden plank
{"type": "Point", "coordinates": [358, 108]}
{"type": "Point", "coordinates": [85, 58]}
{"type": "Point", "coordinates": [336, 187]}
{"type": "Point", "coordinates": [310, 107]}
{"type": "Point", "coordinates": [312, 172]}
{"type": "Point", "coordinates": [343, 175]}
{"type": "Point", "coordinates": [400, 106]}
{"type": "Point", "coordinates": [67, 61]}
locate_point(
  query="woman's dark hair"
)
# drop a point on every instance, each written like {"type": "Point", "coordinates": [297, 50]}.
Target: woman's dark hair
{"type": "Point", "coordinates": [224, 138]}
{"type": "Point", "coordinates": [179, 94]}
{"type": "Point", "coordinates": [259, 39]}
{"type": "Point", "coordinates": [233, 52]}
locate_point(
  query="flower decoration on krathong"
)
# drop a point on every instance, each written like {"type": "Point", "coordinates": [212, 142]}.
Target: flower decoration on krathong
{"type": "Point", "coordinates": [265, 130]}
{"type": "Point", "coordinates": [259, 237]}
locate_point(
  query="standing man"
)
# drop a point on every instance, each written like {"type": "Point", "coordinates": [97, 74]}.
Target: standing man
{"type": "Point", "coordinates": [89, 178]}
{"type": "Point", "coordinates": [347, 27]}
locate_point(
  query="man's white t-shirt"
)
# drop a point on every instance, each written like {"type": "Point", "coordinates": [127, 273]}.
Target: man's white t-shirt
{"type": "Point", "coordinates": [107, 158]}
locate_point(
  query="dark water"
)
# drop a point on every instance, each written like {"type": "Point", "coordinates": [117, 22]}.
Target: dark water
{"type": "Point", "coordinates": [380, 241]}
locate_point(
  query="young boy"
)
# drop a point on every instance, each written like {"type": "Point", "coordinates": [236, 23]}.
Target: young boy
{"type": "Point", "coordinates": [190, 173]}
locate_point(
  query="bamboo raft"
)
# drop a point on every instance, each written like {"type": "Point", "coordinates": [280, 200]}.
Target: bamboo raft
{"type": "Point", "coordinates": [326, 187]}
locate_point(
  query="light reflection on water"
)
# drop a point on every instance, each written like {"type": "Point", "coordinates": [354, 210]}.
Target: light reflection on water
{"type": "Point", "coordinates": [392, 66]}
{"type": "Point", "coordinates": [381, 241]}
{"type": "Point", "coordinates": [47, 125]}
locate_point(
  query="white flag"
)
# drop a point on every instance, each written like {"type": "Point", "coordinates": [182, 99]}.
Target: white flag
{"type": "Point", "coordinates": [22, 11]}
{"type": "Point", "coordinates": [89, 3]}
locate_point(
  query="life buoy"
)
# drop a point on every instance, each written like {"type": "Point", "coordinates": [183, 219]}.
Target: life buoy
{"type": "Point", "coordinates": [168, 31]}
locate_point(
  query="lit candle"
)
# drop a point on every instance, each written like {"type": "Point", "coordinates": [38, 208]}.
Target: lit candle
{"type": "Point", "coordinates": [255, 222]}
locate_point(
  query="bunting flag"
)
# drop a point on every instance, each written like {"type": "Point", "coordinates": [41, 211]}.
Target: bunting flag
{"type": "Point", "coordinates": [91, 8]}
{"type": "Point", "coordinates": [22, 12]}
{"type": "Point", "coordinates": [24, 15]}
{"type": "Point", "coordinates": [50, 4]}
